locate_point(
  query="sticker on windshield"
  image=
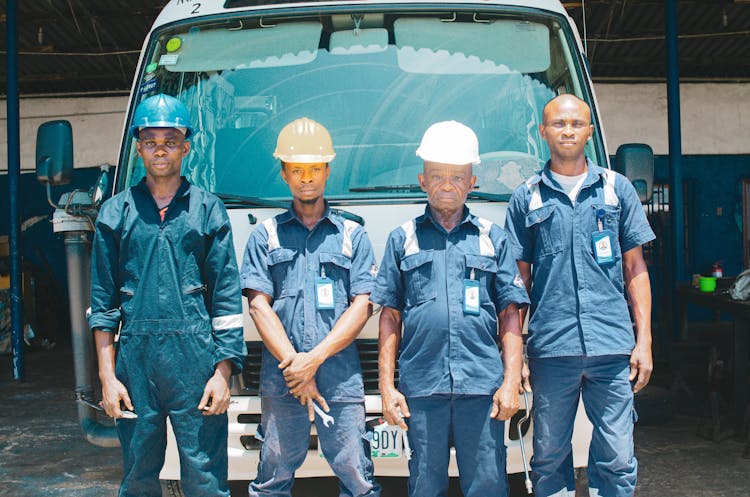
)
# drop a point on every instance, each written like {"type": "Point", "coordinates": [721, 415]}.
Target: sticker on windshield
{"type": "Point", "coordinates": [168, 59]}
{"type": "Point", "coordinates": [147, 86]}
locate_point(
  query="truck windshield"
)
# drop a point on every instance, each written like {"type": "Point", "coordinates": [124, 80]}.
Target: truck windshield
{"type": "Point", "coordinates": [376, 80]}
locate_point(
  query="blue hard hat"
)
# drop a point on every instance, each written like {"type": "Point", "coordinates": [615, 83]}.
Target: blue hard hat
{"type": "Point", "coordinates": [161, 111]}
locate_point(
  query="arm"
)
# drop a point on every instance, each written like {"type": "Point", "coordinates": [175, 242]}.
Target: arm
{"type": "Point", "coordinates": [505, 400]}
{"type": "Point", "coordinates": [224, 305]}
{"type": "Point", "coordinates": [274, 337]}
{"type": "Point", "coordinates": [301, 368]}
{"type": "Point", "coordinates": [524, 269]}
{"type": "Point", "coordinates": [388, 344]}
{"type": "Point", "coordinates": [638, 287]}
{"type": "Point", "coordinates": [113, 391]}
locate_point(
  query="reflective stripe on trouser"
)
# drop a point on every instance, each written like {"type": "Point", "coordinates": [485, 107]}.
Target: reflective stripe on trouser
{"type": "Point", "coordinates": [165, 374]}
{"type": "Point", "coordinates": [438, 422]}
{"type": "Point", "coordinates": [603, 383]}
{"type": "Point", "coordinates": [285, 435]}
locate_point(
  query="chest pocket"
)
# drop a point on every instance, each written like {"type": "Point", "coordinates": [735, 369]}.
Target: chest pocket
{"type": "Point", "coordinates": [281, 264]}
{"type": "Point", "coordinates": [337, 267]}
{"type": "Point", "coordinates": [485, 269]}
{"type": "Point", "coordinates": [610, 222]}
{"type": "Point", "coordinates": [418, 272]}
{"type": "Point", "coordinates": [546, 225]}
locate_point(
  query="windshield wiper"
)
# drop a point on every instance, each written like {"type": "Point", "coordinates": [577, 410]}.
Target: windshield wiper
{"type": "Point", "coordinates": [241, 200]}
{"type": "Point", "coordinates": [490, 197]}
{"type": "Point", "coordinates": [409, 188]}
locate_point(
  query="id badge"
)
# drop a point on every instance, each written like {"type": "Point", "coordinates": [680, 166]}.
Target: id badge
{"type": "Point", "coordinates": [324, 293]}
{"type": "Point", "coordinates": [602, 242]}
{"type": "Point", "coordinates": [471, 297]}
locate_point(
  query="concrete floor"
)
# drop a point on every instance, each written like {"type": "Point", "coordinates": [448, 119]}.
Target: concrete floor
{"type": "Point", "coordinates": [42, 452]}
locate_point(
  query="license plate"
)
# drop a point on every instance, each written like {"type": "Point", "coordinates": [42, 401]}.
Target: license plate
{"type": "Point", "coordinates": [387, 442]}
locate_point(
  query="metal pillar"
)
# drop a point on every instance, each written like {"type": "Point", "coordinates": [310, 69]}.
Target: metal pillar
{"type": "Point", "coordinates": [676, 197]}
{"type": "Point", "coordinates": [14, 173]}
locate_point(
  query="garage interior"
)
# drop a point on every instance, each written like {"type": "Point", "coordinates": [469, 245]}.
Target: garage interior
{"type": "Point", "coordinates": [76, 60]}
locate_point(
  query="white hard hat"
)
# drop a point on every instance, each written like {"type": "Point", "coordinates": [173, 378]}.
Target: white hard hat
{"type": "Point", "coordinates": [449, 142]}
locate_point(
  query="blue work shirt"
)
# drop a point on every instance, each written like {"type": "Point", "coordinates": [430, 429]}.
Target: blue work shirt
{"type": "Point", "coordinates": [172, 276]}
{"type": "Point", "coordinates": [445, 350]}
{"type": "Point", "coordinates": [283, 259]}
{"type": "Point", "coordinates": [578, 305]}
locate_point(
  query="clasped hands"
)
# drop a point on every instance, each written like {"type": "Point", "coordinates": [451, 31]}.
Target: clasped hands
{"type": "Point", "coordinates": [299, 371]}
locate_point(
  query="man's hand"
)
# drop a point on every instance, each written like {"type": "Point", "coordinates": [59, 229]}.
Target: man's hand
{"type": "Point", "coordinates": [505, 402]}
{"type": "Point", "coordinates": [310, 394]}
{"type": "Point", "coordinates": [525, 383]}
{"type": "Point", "coordinates": [394, 407]}
{"type": "Point", "coordinates": [641, 365]}
{"type": "Point", "coordinates": [113, 392]}
{"type": "Point", "coordinates": [216, 396]}
{"type": "Point", "coordinates": [299, 370]}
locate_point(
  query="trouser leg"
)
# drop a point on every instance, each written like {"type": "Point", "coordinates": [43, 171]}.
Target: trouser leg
{"type": "Point", "coordinates": [556, 383]}
{"type": "Point", "coordinates": [143, 440]}
{"type": "Point", "coordinates": [429, 438]}
{"type": "Point", "coordinates": [285, 435]}
{"type": "Point", "coordinates": [346, 450]}
{"type": "Point", "coordinates": [480, 447]}
{"type": "Point", "coordinates": [608, 399]}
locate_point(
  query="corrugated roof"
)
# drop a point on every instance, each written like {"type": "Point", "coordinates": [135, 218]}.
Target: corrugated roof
{"type": "Point", "coordinates": [91, 46]}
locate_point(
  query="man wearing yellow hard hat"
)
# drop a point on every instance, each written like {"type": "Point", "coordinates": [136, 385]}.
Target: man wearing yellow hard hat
{"type": "Point", "coordinates": [307, 274]}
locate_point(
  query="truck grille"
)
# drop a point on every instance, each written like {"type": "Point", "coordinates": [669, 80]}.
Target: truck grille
{"type": "Point", "coordinates": [368, 357]}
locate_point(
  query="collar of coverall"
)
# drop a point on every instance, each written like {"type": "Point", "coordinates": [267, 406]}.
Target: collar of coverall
{"type": "Point", "coordinates": [594, 174]}
{"type": "Point", "coordinates": [290, 215]}
{"type": "Point", "coordinates": [182, 191]}
{"type": "Point", "coordinates": [466, 217]}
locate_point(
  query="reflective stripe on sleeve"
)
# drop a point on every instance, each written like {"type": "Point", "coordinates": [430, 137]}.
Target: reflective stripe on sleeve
{"type": "Point", "coordinates": [535, 202]}
{"type": "Point", "coordinates": [227, 322]}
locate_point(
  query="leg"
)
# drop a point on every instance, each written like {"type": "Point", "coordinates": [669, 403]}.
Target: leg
{"type": "Point", "coordinates": [608, 399]}
{"type": "Point", "coordinates": [480, 447]}
{"type": "Point", "coordinates": [556, 382]}
{"type": "Point", "coordinates": [285, 433]}
{"type": "Point", "coordinates": [346, 450]}
{"type": "Point", "coordinates": [143, 440]}
{"type": "Point", "coordinates": [429, 437]}
{"type": "Point", "coordinates": [186, 365]}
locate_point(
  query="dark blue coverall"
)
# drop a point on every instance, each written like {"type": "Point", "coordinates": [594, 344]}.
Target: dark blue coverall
{"type": "Point", "coordinates": [173, 286]}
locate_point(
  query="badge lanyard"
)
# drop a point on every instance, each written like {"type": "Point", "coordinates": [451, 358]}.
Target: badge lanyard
{"type": "Point", "coordinates": [602, 241]}
{"type": "Point", "coordinates": [324, 291]}
{"type": "Point", "coordinates": [471, 295]}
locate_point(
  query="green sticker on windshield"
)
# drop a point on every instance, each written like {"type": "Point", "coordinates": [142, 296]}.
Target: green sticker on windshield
{"type": "Point", "coordinates": [151, 67]}
{"type": "Point", "coordinates": [174, 44]}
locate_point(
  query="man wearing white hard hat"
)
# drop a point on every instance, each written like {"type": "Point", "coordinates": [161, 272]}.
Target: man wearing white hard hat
{"type": "Point", "coordinates": [307, 275]}
{"type": "Point", "coordinates": [450, 277]}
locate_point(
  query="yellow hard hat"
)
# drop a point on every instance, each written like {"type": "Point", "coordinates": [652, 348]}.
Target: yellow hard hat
{"type": "Point", "coordinates": [304, 141]}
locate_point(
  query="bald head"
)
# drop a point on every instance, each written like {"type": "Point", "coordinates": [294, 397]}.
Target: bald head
{"type": "Point", "coordinates": [568, 103]}
{"type": "Point", "coordinates": [566, 127]}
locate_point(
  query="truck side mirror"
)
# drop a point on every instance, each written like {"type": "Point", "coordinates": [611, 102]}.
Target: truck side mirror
{"type": "Point", "coordinates": [54, 153]}
{"type": "Point", "coordinates": [636, 162]}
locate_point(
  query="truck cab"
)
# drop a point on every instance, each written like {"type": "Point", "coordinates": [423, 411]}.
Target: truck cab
{"type": "Point", "coordinates": [377, 74]}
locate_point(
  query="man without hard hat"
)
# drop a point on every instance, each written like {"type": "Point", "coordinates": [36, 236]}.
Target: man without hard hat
{"type": "Point", "coordinates": [450, 278]}
{"type": "Point", "coordinates": [307, 276]}
{"type": "Point", "coordinates": [163, 272]}
{"type": "Point", "coordinates": [578, 229]}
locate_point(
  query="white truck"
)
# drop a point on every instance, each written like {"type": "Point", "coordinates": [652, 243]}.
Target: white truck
{"type": "Point", "coordinates": [376, 73]}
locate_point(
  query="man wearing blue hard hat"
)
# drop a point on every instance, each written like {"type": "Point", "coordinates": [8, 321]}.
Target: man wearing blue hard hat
{"type": "Point", "coordinates": [163, 273]}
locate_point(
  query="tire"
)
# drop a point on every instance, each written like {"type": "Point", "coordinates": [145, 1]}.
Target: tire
{"type": "Point", "coordinates": [171, 488]}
